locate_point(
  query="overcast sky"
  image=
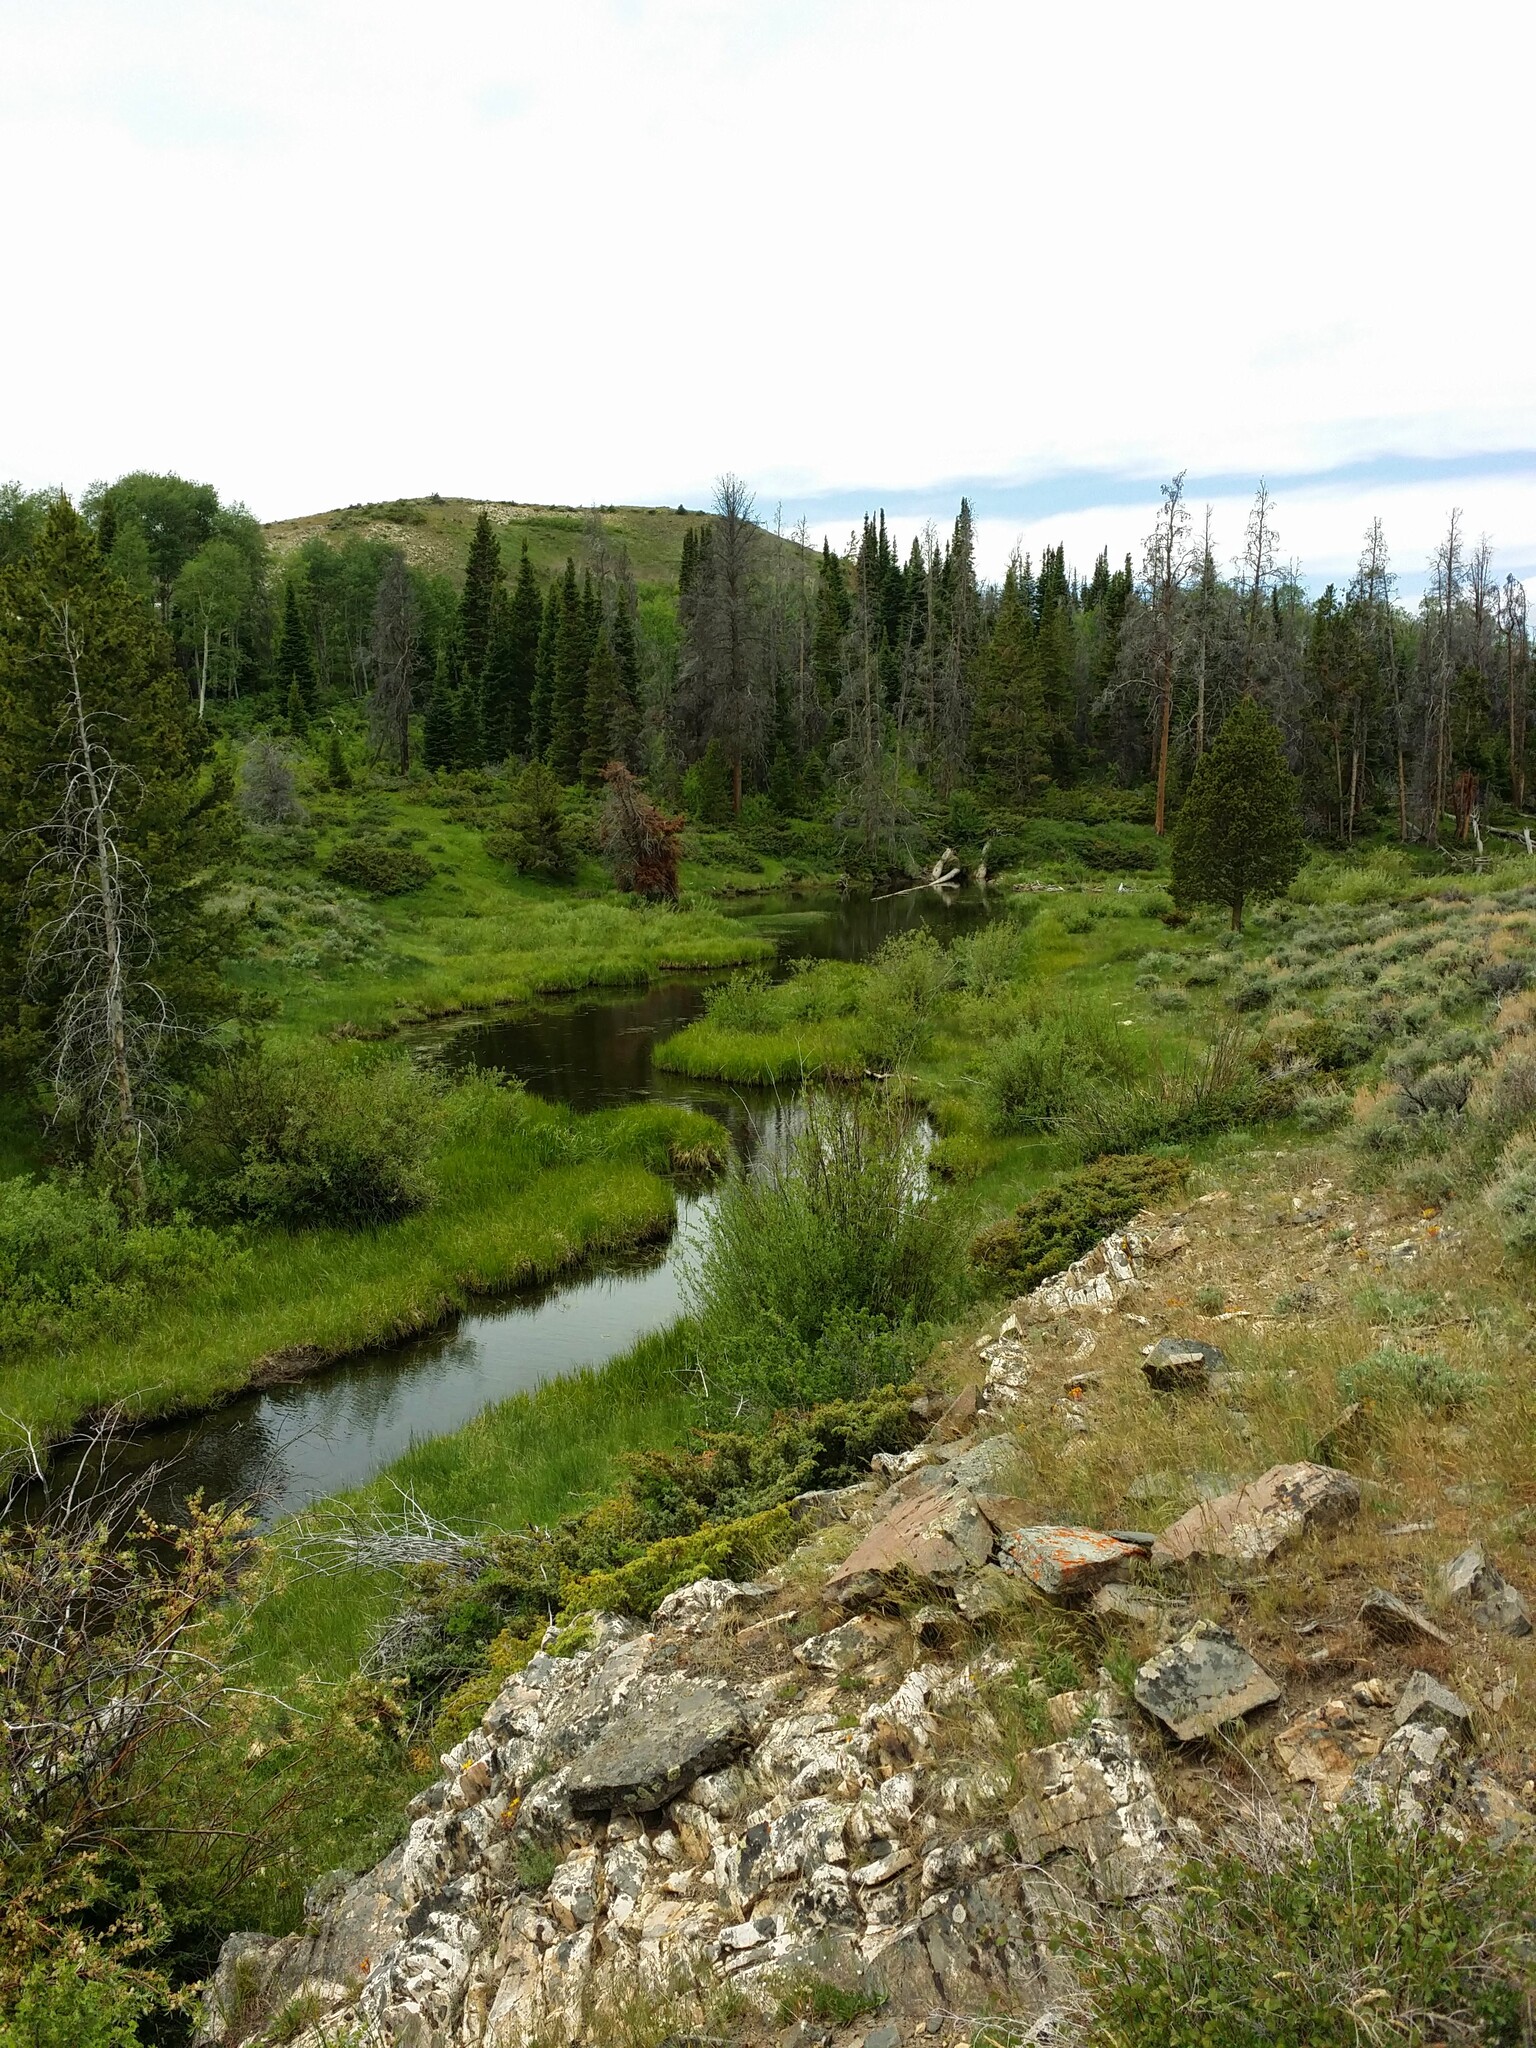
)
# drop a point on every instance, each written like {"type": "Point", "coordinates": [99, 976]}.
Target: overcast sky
{"type": "Point", "coordinates": [326, 251]}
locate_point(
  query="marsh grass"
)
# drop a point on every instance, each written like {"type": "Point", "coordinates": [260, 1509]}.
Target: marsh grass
{"type": "Point", "coordinates": [527, 1190]}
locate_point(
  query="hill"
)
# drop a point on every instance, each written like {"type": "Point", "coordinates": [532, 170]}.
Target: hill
{"type": "Point", "coordinates": [434, 532]}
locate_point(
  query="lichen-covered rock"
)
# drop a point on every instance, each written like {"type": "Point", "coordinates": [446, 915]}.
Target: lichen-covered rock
{"type": "Point", "coordinates": [1064, 1563]}
{"type": "Point", "coordinates": [1250, 1525]}
{"type": "Point", "coordinates": [1092, 1799]}
{"type": "Point", "coordinates": [1202, 1681]}
{"type": "Point", "coordinates": [1493, 1603]}
{"type": "Point", "coordinates": [655, 1745]}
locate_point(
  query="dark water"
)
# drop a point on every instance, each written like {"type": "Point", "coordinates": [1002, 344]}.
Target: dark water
{"type": "Point", "coordinates": [289, 1445]}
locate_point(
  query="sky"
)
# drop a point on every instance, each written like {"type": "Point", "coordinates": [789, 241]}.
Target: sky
{"type": "Point", "coordinates": [860, 252]}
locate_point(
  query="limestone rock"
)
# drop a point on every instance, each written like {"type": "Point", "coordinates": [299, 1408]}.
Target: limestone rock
{"type": "Point", "coordinates": [1411, 1776]}
{"type": "Point", "coordinates": [1428, 1703]}
{"type": "Point", "coordinates": [1065, 1563]}
{"type": "Point", "coordinates": [1096, 1281]}
{"type": "Point", "coordinates": [1200, 1682]}
{"type": "Point", "coordinates": [1493, 1603]}
{"type": "Point", "coordinates": [1250, 1525]}
{"type": "Point", "coordinates": [1393, 1621]}
{"type": "Point", "coordinates": [1093, 1797]}
{"type": "Point", "coordinates": [692, 1607]}
{"type": "Point", "coordinates": [652, 1750]}
{"type": "Point", "coordinates": [1181, 1365]}
{"type": "Point", "coordinates": [846, 1647]}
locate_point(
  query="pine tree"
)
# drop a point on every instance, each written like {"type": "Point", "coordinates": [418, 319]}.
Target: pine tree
{"type": "Point", "coordinates": [625, 726]}
{"type": "Point", "coordinates": [468, 735]}
{"type": "Point", "coordinates": [541, 705]}
{"type": "Point", "coordinates": [1008, 732]}
{"type": "Point", "coordinates": [518, 659]}
{"type": "Point", "coordinates": [532, 836]}
{"type": "Point", "coordinates": [1238, 834]}
{"type": "Point", "coordinates": [87, 673]}
{"type": "Point", "coordinates": [484, 578]}
{"type": "Point", "coordinates": [295, 665]}
{"type": "Point", "coordinates": [602, 702]}
{"type": "Point", "coordinates": [337, 773]}
{"type": "Point", "coordinates": [568, 713]}
{"type": "Point", "coordinates": [439, 735]}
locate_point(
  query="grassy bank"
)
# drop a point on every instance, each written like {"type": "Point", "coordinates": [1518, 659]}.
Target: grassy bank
{"type": "Point", "coordinates": [525, 1193]}
{"type": "Point", "coordinates": [472, 935]}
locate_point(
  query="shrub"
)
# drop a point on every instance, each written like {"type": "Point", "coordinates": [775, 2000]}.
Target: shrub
{"type": "Point", "coordinates": [1332, 1045]}
{"type": "Point", "coordinates": [1254, 992]}
{"type": "Point", "coordinates": [1034, 1075]}
{"type": "Point", "coordinates": [907, 977]}
{"type": "Point", "coordinates": [57, 2005]}
{"type": "Point", "coordinates": [1052, 1228]}
{"type": "Point", "coordinates": [1322, 1112]}
{"type": "Point", "coordinates": [69, 1260]}
{"type": "Point", "coordinates": [1511, 1195]}
{"type": "Point", "coordinates": [1368, 1934]}
{"type": "Point", "coordinates": [1205, 1093]}
{"type": "Point", "coordinates": [1397, 1378]}
{"type": "Point", "coordinates": [320, 1137]}
{"type": "Point", "coordinates": [824, 1259]}
{"type": "Point", "coordinates": [986, 962]}
{"type": "Point", "coordinates": [269, 791]}
{"type": "Point", "coordinates": [377, 869]}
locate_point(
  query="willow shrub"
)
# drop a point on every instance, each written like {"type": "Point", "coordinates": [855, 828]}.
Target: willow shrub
{"type": "Point", "coordinates": [825, 1261]}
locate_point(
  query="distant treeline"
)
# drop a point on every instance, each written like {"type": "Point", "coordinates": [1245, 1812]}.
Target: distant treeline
{"type": "Point", "coordinates": [856, 686]}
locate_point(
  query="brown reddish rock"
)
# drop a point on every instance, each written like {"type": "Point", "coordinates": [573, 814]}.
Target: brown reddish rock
{"type": "Point", "coordinates": [1063, 1563]}
{"type": "Point", "coordinates": [938, 1536]}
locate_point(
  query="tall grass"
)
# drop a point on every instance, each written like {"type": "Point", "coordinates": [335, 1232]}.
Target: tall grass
{"type": "Point", "coordinates": [527, 1190]}
{"type": "Point", "coordinates": [1043, 1067]}
{"type": "Point", "coordinates": [1196, 1095]}
{"type": "Point", "coordinates": [824, 1260]}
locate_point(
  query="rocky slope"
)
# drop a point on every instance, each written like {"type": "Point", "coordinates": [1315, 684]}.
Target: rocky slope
{"type": "Point", "coordinates": [839, 1793]}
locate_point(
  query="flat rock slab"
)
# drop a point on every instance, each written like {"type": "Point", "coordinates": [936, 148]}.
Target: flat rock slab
{"type": "Point", "coordinates": [1201, 1682]}
{"type": "Point", "coordinates": [1392, 1620]}
{"type": "Point", "coordinates": [653, 1749]}
{"type": "Point", "coordinates": [1064, 1562]}
{"type": "Point", "coordinates": [937, 1536]}
{"type": "Point", "coordinates": [848, 1646]}
{"type": "Point", "coordinates": [1092, 1796]}
{"type": "Point", "coordinates": [1250, 1525]}
{"type": "Point", "coordinates": [1182, 1365]}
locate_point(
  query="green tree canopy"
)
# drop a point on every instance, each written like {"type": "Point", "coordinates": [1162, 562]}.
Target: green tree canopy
{"type": "Point", "coordinates": [1238, 834]}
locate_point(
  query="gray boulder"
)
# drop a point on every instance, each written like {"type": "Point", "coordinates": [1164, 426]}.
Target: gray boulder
{"type": "Point", "coordinates": [654, 1748]}
{"type": "Point", "coordinates": [1204, 1680]}
{"type": "Point", "coordinates": [1493, 1603]}
{"type": "Point", "coordinates": [1182, 1365]}
{"type": "Point", "coordinates": [1392, 1620]}
{"type": "Point", "coordinates": [1427, 1703]}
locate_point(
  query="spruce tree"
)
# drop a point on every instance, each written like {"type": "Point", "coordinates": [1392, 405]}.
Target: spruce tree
{"type": "Point", "coordinates": [468, 734]}
{"type": "Point", "coordinates": [295, 666]}
{"type": "Point", "coordinates": [298, 717]}
{"type": "Point", "coordinates": [532, 835]}
{"type": "Point", "coordinates": [625, 729]}
{"type": "Point", "coordinates": [496, 685]}
{"type": "Point", "coordinates": [715, 786]}
{"type": "Point", "coordinates": [337, 773]}
{"type": "Point", "coordinates": [524, 618]}
{"type": "Point", "coordinates": [484, 577]}
{"type": "Point", "coordinates": [1008, 724]}
{"type": "Point", "coordinates": [169, 818]}
{"type": "Point", "coordinates": [541, 705]}
{"type": "Point", "coordinates": [601, 705]}
{"type": "Point", "coordinates": [568, 713]}
{"type": "Point", "coordinates": [1238, 834]}
{"type": "Point", "coordinates": [832, 614]}
{"type": "Point", "coordinates": [438, 738]}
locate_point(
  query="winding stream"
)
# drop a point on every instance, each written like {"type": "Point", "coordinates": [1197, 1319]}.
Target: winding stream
{"type": "Point", "coordinates": [290, 1445]}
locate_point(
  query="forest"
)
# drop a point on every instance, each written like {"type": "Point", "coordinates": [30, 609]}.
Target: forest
{"type": "Point", "coordinates": [889, 701]}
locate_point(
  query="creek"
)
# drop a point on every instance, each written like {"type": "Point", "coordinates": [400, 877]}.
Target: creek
{"type": "Point", "coordinates": [288, 1445]}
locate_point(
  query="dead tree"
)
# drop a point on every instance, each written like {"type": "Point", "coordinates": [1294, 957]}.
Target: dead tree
{"type": "Point", "coordinates": [96, 938]}
{"type": "Point", "coordinates": [1167, 565]}
{"type": "Point", "coordinates": [1259, 568]}
{"type": "Point", "coordinates": [1512, 627]}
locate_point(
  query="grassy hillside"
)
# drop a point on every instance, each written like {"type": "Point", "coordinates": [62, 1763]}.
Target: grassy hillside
{"type": "Point", "coordinates": [433, 533]}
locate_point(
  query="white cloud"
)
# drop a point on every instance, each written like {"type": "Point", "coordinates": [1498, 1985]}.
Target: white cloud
{"type": "Point", "coordinates": [329, 250]}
